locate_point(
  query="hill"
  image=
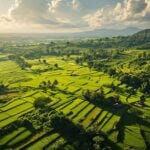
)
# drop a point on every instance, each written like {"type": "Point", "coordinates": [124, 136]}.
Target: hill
{"type": "Point", "coordinates": [139, 39]}
{"type": "Point", "coordinates": [101, 33]}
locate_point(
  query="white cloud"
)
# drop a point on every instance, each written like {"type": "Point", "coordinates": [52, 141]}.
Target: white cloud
{"type": "Point", "coordinates": [52, 12]}
{"type": "Point", "coordinates": [131, 9]}
{"type": "Point", "coordinates": [66, 10]}
{"type": "Point", "coordinates": [53, 5]}
{"type": "Point", "coordinates": [31, 11]}
{"type": "Point", "coordinates": [130, 12]}
{"type": "Point", "coordinates": [65, 5]}
{"type": "Point", "coordinates": [48, 14]}
{"type": "Point", "coordinates": [73, 15]}
{"type": "Point", "coordinates": [95, 20]}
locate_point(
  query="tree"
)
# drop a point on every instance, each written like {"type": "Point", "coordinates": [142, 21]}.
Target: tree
{"type": "Point", "coordinates": [111, 71]}
{"type": "Point", "coordinates": [41, 102]}
{"type": "Point", "coordinates": [113, 100]}
{"type": "Point", "coordinates": [97, 142]}
{"type": "Point", "coordinates": [54, 84]}
{"type": "Point", "coordinates": [56, 65]}
{"type": "Point", "coordinates": [44, 61]}
{"type": "Point", "coordinates": [90, 64]}
{"type": "Point", "coordinates": [142, 100]}
{"type": "Point", "coordinates": [86, 94]}
{"type": "Point", "coordinates": [49, 83]}
{"type": "Point", "coordinates": [43, 86]}
{"type": "Point", "coordinates": [96, 97]}
{"type": "Point", "coordinates": [3, 88]}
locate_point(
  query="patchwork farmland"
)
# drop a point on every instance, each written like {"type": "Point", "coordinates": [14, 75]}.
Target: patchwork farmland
{"type": "Point", "coordinates": [67, 98]}
{"type": "Point", "coordinates": [80, 101]}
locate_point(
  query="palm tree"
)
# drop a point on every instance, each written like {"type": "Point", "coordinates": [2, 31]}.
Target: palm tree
{"type": "Point", "coordinates": [54, 84]}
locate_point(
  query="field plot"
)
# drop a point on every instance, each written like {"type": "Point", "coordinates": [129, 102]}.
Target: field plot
{"type": "Point", "coordinates": [23, 135]}
{"type": "Point", "coordinates": [13, 110]}
{"type": "Point", "coordinates": [11, 136]}
{"type": "Point", "coordinates": [45, 141]}
{"type": "Point", "coordinates": [133, 138]}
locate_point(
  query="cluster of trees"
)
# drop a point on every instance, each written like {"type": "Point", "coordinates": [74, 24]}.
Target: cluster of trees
{"type": "Point", "coordinates": [39, 119]}
{"type": "Point", "coordinates": [98, 98]}
{"type": "Point", "coordinates": [93, 60]}
{"type": "Point", "coordinates": [94, 96]}
{"type": "Point", "coordinates": [3, 88]}
{"type": "Point", "coordinates": [48, 85]}
{"type": "Point", "coordinates": [34, 54]}
{"type": "Point", "coordinates": [20, 61]}
{"type": "Point", "coordinates": [52, 49]}
{"type": "Point", "coordinates": [141, 81]}
{"type": "Point", "coordinates": [144, 56]}
{"type": "Point", "coordinates": [139, 40]}
{"type": "Point", "coordinates": [130, 80]}
{"type": "Point", "coordinates": [96, 54]}
{"type": "Point", "coordinates": [43, 61]}
{"type": "Point", "coordinates": [137, 81]}
{"type": "Point", "coordinates": [102, 66]}
{"type": "Point", "coordinates": [41, 102]}
{"type": "Point", "coordinates": [141, 59]}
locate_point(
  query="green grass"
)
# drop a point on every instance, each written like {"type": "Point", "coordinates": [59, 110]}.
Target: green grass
{"type": "Point", "coordinates": [20, 138]}
{"type": "Point", "coordinates": [110, 124]}
{"type": "Point", "coordinates": [133, 137]}
{"type": "Point", "coordinates": [3, 116]}
{"type": "Point", "coordinates": [13, 104]}
{"type": "Point", "coordinates": [78, 109]}
{"type": "Point", "coordinates": [91, 117]}
{"type": "Point", "coordinates": [44, 141]}
{"type": "Point", "coordinates": [11, 73]}
{"type": "Point", "coordinates": [19, 109]}
{"type": "Point", "coordinates": [11, 135]}
{"type": "Point", "coordinates": [12, 119]}
{"type": "Point", "coordinates": [83, 113]}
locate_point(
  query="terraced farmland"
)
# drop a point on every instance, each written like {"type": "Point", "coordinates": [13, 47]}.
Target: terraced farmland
{"type": "Point", "coordinates": [26, 125]}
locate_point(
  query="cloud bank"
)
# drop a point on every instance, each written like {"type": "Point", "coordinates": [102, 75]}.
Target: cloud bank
{"type": "Point", "coordinates": [73, 15]}
{"type": "Point", "coordinates": [129, 12]}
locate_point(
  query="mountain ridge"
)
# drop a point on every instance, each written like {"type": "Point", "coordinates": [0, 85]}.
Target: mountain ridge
{"type": "Point", "coordinates": [109, 32]}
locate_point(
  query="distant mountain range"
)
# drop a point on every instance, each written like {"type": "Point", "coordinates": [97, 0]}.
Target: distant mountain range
{"type": "Point", "coordinates": [108, 32]}
{"type": "Point", "coordinates": [98, 33]}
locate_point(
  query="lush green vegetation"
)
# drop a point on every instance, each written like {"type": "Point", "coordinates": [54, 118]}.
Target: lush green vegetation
{"type": "Point", "coordinates": [76, 95]}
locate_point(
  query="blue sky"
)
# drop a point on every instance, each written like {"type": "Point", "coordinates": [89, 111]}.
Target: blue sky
{"type": "Point", "coordinates": [72, 15]}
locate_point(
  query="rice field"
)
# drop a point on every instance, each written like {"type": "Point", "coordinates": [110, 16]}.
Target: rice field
{"type": "Point", "coordinates": [67, 98]}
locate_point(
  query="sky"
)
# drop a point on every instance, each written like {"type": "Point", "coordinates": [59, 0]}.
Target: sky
{"type": "Point", "coordinates": [25, 16]}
